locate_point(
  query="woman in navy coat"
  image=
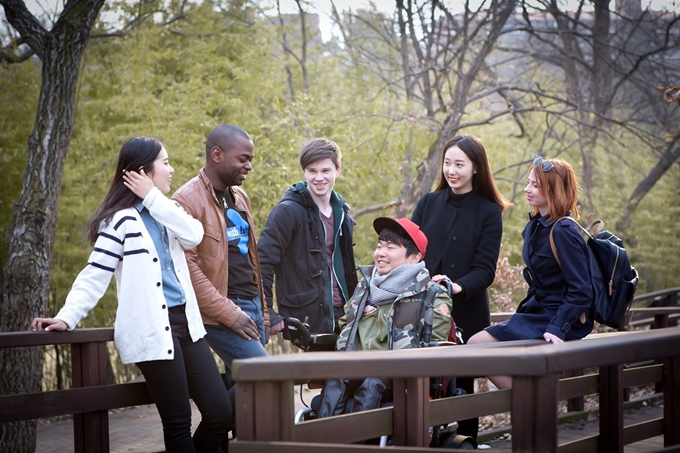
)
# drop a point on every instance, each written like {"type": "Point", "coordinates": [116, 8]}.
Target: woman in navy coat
{"type": "Point", "coordinates": [557, 306]}
{"type": "Point", "coordinates": [462, 220]}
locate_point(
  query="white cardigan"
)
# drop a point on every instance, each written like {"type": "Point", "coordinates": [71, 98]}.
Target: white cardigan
{"type": "Point", "coordinates": [125, 249]}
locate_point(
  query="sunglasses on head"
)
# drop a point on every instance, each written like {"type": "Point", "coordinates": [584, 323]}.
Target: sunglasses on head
{"type": "Point", "coordinates": [545, 165]}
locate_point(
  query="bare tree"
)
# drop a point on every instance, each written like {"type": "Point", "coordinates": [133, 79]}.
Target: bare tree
{"type": "Point", "coordinates": [611, 63]}
{"type": "Point", "coordinates": [436, 59]}
{"type": "Point", "coordinates": [300, 58]}
{"type": "Point", "coordinates": [31, 239]}
{"type": "Point", "coordinates": [590, 71]}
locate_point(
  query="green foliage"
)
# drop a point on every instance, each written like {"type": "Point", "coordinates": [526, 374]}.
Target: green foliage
{"type": "Point", "coordinates": [654, 234]}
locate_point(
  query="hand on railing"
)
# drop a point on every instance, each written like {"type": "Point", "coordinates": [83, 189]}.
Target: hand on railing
{"type": "Point", "coordinates": [48, 324]}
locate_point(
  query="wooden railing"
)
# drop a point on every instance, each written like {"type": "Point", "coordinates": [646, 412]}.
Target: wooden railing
{"type": "Point", "coordinates": [91, 396]}
{"type": "Point", "coordinates": [657, 309]}
{"type": "Point", "coordinates": [265, 393]}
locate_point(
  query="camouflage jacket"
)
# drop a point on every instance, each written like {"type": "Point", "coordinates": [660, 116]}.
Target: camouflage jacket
{"type": "Point", "coordinates": [398, 325]}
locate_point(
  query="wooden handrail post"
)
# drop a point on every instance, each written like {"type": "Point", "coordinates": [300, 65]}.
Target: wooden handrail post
{"type": "Point", "coordinates": [611, 408]}
{"type": "Point", "coordinates": [273, 409]}
{"type": "Point", "coordinates": [88, 368]}
{"type": "Point", "coordinates": [534, 413]}
{"type": "Point", "coordinates": [660, 321]}
{"type": "Point", "coordinates": [267, 417]}
{"type": "Point", "coordinates": [244, 407]}
{"type": "Point", "coordinates": [671, 401]}
{"type": "Point", "coordinates": [574, 404]}
{"type": "Point", "coordinates": [411, 412]}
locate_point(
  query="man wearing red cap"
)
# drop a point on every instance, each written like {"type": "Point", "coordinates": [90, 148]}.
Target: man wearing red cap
{"type": "Point", "coordinates": [388, 310]}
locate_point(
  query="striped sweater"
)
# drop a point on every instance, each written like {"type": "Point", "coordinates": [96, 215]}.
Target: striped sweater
{"type": "Point", "coordinates": [124, 249]}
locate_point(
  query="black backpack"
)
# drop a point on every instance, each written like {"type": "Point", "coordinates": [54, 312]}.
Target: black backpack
{"type": "Point", "coordinates": [614, 279]}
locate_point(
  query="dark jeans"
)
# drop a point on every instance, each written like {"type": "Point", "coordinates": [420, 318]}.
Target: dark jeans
{"type": "Point", "coordinates": [192, 373]}
{"type": "Point", "coordinates": [229, 345]}
{"type": "Point", "coordinates": [367, 394]}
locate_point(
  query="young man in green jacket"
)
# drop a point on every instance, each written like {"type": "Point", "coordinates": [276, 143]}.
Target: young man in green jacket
{"type": "Point", "coordinates": [388, 310]}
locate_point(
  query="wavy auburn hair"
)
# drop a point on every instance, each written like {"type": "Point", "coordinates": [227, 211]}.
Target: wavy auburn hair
{"type": "Point", "coordinates": [559, 186]}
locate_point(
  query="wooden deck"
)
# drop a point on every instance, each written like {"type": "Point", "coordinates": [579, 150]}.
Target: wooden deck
{"type": "Point", "coordinates": [538, 387]}
{"type": "Point", "coordinates": [573, 431]}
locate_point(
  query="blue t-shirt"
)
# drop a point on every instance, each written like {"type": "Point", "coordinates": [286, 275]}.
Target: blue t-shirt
{"type": "Point", "coordinates": [242, 283]}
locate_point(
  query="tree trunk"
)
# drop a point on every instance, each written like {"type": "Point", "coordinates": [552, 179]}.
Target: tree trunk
{"type": "Point", "coordinates": [30, 242]}
{"type": "Point", "coordinates": [429, 170]}
{"type": "Point", "coordinates": [669, 157]}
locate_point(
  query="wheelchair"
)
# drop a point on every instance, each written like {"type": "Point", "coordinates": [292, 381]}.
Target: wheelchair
{"type": "Point", "coordinates": [440, 436]}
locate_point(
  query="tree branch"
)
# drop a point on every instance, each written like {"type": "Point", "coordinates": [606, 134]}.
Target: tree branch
{"type": "Point", "coordinates": [31, 31]}
{"type": "Point", "coordinates": [12, 54]}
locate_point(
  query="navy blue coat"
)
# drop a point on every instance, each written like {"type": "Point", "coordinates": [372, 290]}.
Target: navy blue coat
{"type": "Point", "coordinates": [557, 295]}
{"type": "Point", "coordinates": [463, 244]}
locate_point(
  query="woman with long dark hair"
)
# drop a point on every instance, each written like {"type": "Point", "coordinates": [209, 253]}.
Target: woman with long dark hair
{"type": "Point", "coordinates": [462, 219]}
{"type": "Point", "coordinates": [139, 237]}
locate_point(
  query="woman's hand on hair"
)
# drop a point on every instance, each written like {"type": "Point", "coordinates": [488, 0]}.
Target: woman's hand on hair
{"type": "Point", "coordinates": [139, 183]}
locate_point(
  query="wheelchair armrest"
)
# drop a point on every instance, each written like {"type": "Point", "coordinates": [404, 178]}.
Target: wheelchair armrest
{"type": "Point", "coordinates": [298, 333]}
{"type": "Point", "coordinates": [433, 344]}
{"type": "Point", "coordinates": [323, 342]}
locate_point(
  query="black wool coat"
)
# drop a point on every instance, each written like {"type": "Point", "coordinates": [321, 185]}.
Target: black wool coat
{"type": "Point", "coordinates": [463, 244]}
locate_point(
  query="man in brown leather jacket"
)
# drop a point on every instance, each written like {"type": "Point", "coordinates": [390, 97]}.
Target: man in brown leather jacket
{"type": "Point", "coordinates": [224, 267]}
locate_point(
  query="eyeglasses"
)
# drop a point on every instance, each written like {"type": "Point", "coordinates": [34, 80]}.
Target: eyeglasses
{"type": "Point", "coordinates": [546, 165]}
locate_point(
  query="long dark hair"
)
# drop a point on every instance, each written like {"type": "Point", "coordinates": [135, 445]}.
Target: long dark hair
{"type": "Point", "coordinates": [136, 154]}
{"type": "Point", "coordinates": [482, 181]}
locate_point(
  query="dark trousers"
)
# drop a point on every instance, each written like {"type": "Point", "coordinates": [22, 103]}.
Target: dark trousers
{"type": "Point", "coordinates": [468, 427]}
{"type": "Point", "coordinates": [192, 373]}
{"type": "Point", "coordinates": [366, 393]}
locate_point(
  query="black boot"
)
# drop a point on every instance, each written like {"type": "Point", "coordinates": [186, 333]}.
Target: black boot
{"type": "Point", "coordinates": [334, 395]}
{"type": "Point", "coordinates": [370, 393]}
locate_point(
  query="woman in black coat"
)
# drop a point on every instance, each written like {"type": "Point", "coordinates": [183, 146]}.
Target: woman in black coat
{"type": "Point", "coordinates": [557, 306]}
{"type": "Point", "coordinates": [462, 220]}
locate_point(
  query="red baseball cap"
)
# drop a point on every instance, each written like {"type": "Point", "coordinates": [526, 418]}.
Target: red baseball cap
{"type": "Point", "coordinates": [405, 225]}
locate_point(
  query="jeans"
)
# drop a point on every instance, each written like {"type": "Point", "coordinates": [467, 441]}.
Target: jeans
{"type": "Point", "coordinates": [229, 345]}
{"type": "Point", "coordinates": [192, 373]}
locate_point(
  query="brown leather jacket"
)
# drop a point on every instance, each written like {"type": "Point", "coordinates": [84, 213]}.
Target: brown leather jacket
{"type": "Point", "coordinates": [208, 262]}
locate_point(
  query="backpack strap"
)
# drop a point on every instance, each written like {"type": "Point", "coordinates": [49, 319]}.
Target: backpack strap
{"type": "Point", "coordinates": [357, 318]}
{"type": "Point", "coordinates": [592, 231]}
{"type": "Point", "coordinates": [430, 295]}
{"type": "Point", "coordinates": [595, 226]}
